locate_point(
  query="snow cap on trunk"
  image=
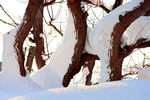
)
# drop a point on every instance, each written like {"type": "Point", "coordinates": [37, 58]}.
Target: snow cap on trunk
{"type": "Point", "coordinates": [101, 36]}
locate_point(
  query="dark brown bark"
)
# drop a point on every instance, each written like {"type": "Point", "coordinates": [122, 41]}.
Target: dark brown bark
{"type": "Point", "coordinates": [90, 65]}
{"type": "Point", "coordinates": [39, 41]}
{"type": "Point", "coordinates": [147, 13]}
{"type": "Point", "coordinates": [88, 57]}
{"type": "Point", "coordinates": [115, 62]}
{"type": "Point", "coordinates": [23, 31]}
{"type": "Point", "coordinates": [30, 57]}
{"type": "Point", "coordinates": [81, 30]}
{"type": "Point", "coordinates": [141, 43]}
{"type": "Point", "coordinates": [117, 3]}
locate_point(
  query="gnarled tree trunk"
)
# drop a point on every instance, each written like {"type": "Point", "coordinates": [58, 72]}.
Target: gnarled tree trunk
{"type": "Point", "coordinates": [81, 30]}
{"type": "Point", "coordinates": [23, 31]}
{"type": "Point", "coordinates": [116, 59]}
{"type": "Point", "coordinates": [38, 37]}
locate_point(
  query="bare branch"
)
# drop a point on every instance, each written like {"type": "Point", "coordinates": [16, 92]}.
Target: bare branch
{"type": "Point", "coordinates": [8, 15]}
{"type": "Point", "coordinates": [56, 29]}
{"type": "Point", "coordinates": [49, 3]}
{"type": "Point", "coordinates": [7, 23]}
{"type": "Point", "coordinates": [99, 4]}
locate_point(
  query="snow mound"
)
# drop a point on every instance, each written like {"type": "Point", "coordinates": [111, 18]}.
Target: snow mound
{"type": "Point", "coordinates": [12, 83]}
{"type": "Point", "coordinates": [121, 90]}
{"type": "Point", "coordinates": [144, 74]}
{"type": "Point", "coordinates": [10, 65]}
{"type": "Point", "coordinates": [60, 60]}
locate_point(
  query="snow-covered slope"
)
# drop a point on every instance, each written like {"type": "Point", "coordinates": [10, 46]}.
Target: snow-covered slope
{"type": "Point", "coordinates": [60, 60]}
{"type": "Point", "coordinates": [121, 90]}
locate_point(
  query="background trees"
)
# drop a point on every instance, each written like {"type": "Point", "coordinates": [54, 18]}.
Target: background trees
{"type": "Point", "coordinates": [32, 24]}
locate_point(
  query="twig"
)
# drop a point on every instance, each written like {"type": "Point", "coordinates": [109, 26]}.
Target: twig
{"type": "Point", "coordinates": [8, 15]}
{"type": "Point", "coordinates": [7, 23]}
{"type": "Point", "coordinates": [99, 4]}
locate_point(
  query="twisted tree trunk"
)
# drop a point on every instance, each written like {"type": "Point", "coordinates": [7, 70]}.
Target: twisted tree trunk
{"type": "Point", "coordinates": [38, 37]}
{"type": "Point", "coordinates": [116, 58]}
{"type": "Point", "coordinates": [81, 29]}
{"type": "Point", "coordinates": [23, 31]}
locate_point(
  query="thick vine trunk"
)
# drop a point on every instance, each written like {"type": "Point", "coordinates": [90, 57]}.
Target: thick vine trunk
{"type": "Point", "coordinates": [23, 31]}
{"type": "Point", "coordinates": [81, 30]}
{"type": "Point", "coordinates": [116, 59]}
{"type": "Point", "coordinates": [38, 37]}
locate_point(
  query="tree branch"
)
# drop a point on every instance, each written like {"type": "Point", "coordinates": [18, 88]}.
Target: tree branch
{"type": "Point", "coordinates": [7, 23]}
{"type": "Point", "coordinates": [56, 29]}
{"type": "Point", "coordinates": [49, 3]}
{"type": "Point", "coordinates": [88, 57]}
{"type": "Point", "coordinates": [99, 4]}
{"type": "Point", "coordinates": [117, 3]}
{"type": "Point", "coordinates": [8, 15]}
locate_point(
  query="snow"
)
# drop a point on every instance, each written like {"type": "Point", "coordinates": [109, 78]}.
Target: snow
{"type": "Point", "coordinates": [45, 83]}
{"type": "Point", "coordinates": [80, 78]}
{"type": "Point", "coordinates": [59, 61]}
{"type": "Point", "coordinates": [100, 37]}
{"type": "Point", "coordinates": [137, 30]}
{"type": "Point", "coordinates": [9, 57]}
{"type": "Point", "coordinates": [41, 35]}
{"type": "Point", "coordinates": [88, 48]}
{"type": "Point", "coordinates": [96, 2]}
{"type": "Point", "coordinates": [119, 90]}
{"type": "Point", "coordinates": [144, 74]}
{"type": "Point", "coordinates": [12, 84]}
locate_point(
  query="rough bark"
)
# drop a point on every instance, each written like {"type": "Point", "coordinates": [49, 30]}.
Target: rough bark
{"type": "Point", "coordinates": [39, 40]}
{"type": "Point", "coordinates": [147, 13]}
{"type": "Point", "coordinates": [116, 59]}
{"type": "Point", "coordinates": [90, 65]}
{"type": "Point", "coordinates": [23, 31]}
{"type": "Point", "coordinates": [117, 3]}
{"type": "Point", "coordinates": [30, 57]}
{"type": "Point", "coordinates": [81, 30]}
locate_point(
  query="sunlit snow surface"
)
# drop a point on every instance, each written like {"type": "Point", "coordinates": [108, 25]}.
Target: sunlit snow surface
{"type": "Point", "coordinates": [121, 90]}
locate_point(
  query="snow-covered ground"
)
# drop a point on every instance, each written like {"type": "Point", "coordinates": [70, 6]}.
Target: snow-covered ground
{"type": "Point", "coordinates": [120, 90]}
{"type": "Point", "coordinates": [46, 83]}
